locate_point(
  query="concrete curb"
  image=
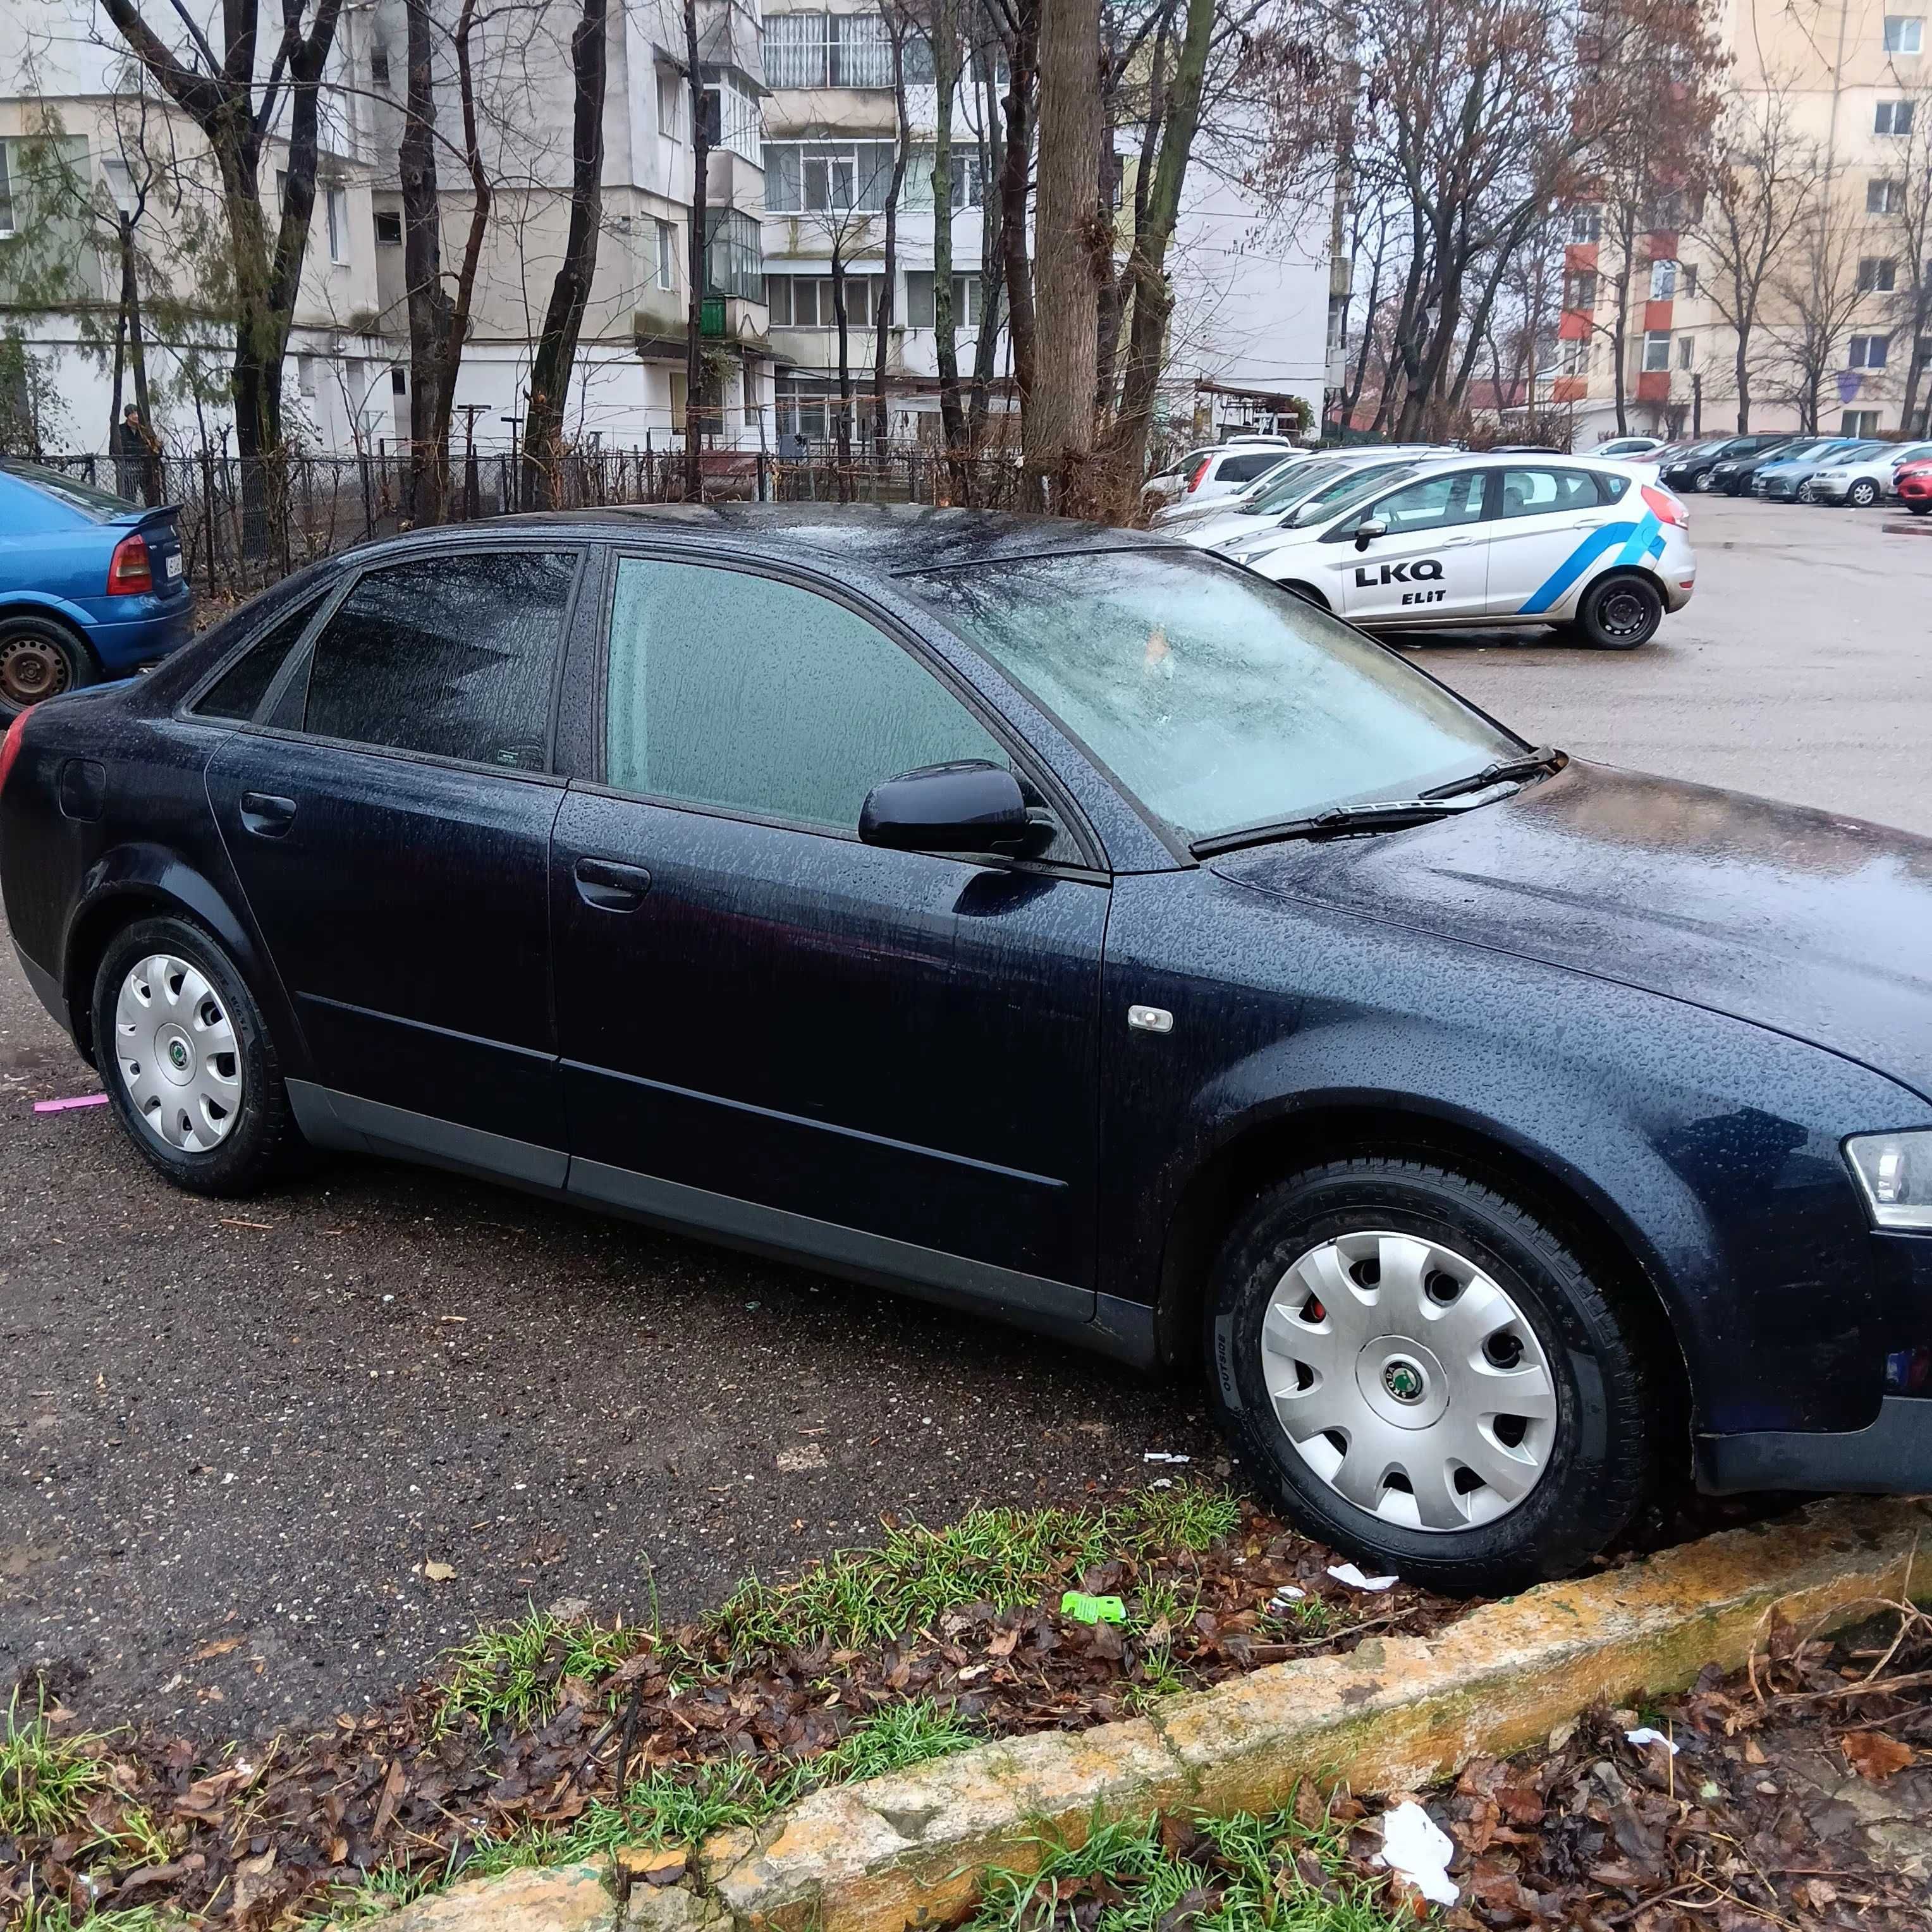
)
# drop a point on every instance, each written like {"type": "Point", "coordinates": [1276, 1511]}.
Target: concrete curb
{"type": "Point", "coordinates": [908, 1850]}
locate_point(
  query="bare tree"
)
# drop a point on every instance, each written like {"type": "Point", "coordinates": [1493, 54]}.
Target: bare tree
{"type": "Point", "coordinates": [1912, 308]}
{"type": "Point", "coordinates": [1759, 206]}
{"type": "Point", "coordinates": [695, 254]}
{"type": "Point", "coordinates": [899, 26]}
{"type": "Point", "coordinates": [946, 65]}
{"type": "Point", "coordinates": [237, 113]}
{"type": "Point", "coordinates": [1017, 22]}
{"type": "Point", "coordinates": [1818, 286]}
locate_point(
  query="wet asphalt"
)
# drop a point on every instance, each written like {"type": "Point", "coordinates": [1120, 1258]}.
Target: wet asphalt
{"type": "Point", "coordinates": [236, 1434]}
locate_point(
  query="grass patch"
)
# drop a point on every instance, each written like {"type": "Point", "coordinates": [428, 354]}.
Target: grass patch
{"type": "Point", "coordinates": [510, 1673]}
{"type": "Point", "coordinates": [1236, 1874]}
{"type": "Point", "coordinates": [1003, 1557]}
{"type": "Point", "coordinates": [45, 1782]}
{"type": "Point", "coordinates": [40, 1912]}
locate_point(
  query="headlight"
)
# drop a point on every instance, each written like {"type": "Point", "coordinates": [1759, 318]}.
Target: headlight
{"type": "Point", "coordinates": [1894, 1174]}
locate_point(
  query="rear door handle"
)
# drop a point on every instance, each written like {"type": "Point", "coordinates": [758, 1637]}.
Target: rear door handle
{"type": "Point", "coordinates": [265, 815]}
{"type": "Point", "coordinates": [611, 886]}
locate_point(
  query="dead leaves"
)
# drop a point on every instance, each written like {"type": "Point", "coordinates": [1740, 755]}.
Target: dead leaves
{"type": "Point", "coordinates": [1874, 1755]}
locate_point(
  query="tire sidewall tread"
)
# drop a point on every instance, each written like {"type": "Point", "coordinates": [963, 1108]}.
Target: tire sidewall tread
{"type": "Point", "coordinates": [1602, 1468]}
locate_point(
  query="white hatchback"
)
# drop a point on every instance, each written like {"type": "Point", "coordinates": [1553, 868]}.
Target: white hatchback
{"type": "Point", "coordinates": [1496, 540]}
{"type": "Point", "coordinates": [1219, 470]}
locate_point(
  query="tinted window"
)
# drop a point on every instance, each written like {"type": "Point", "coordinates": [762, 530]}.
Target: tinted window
{"type": "Point", "coordinates": [451, 655]}
{"type": "Point", "coordinates": [1431, 503]}
{"type": "Point", "coordinates": [1543, 493]}
{"type": "Point", "coordinates": [1245, 468]}
{"type": "Point", "coordinates": [1218, 699]}
{"type": "Point", "coordinates": [732, 691]}
{"type": "Point", "coordinates": [242, 686]}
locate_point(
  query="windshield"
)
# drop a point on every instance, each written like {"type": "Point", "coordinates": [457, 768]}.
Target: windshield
{"type": "Point", "coordinates": [1218, 700]}
{"type": "Point", "coordinates": [1347, 490]}
{"type": "Point", "coordinates": [1279, 492]}
{"type": "Point", "coordinates": [97, 505]}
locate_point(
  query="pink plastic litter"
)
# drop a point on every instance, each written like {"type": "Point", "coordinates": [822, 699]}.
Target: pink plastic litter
{"type": "Point", "coordinates": [77, 1100]}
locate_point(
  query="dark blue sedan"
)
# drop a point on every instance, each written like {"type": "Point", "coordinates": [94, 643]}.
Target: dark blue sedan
{"type": "Point", "coordinates": [91, 586]}
{"type": "Point", "coordinates": [1063, 925]}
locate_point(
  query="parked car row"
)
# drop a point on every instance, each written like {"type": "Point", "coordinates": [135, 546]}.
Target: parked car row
{"type": "Point", "coordinates": [1782, 467]}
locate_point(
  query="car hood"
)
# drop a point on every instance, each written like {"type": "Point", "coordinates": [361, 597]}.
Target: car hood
{"type": "Point", "coordinates": [1819, 926]}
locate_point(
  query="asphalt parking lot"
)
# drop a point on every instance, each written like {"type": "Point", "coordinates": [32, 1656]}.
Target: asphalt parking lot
{"type": "Point", "coordinates": [237, 1434]}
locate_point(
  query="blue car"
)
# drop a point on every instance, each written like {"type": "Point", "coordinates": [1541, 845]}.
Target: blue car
{"type": "Point", "coordinates": [92, 586]}
{"type": "Point", "coordinates": [1785, 481]}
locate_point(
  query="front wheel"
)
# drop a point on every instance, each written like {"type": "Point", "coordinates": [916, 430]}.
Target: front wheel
{"type": "Point", "coordinates": [1862, 495]}
{"type": "Point", "coordinates": [1619, 613]}
{"type": "Point", "coordinates": [1704, 483]}
{"type": "Point", "coordinates": [1920, 509]}
{"type": "Point", "coordinates": [190, 1069]}
{"type": "Point", "coordinates": [1806, 494]}
{"type": "Point", "coordinates": [1425, 1376]}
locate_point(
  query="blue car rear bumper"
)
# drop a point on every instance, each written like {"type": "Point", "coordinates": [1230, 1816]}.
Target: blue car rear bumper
{"type": "Point", "coordinates": [151, 627]}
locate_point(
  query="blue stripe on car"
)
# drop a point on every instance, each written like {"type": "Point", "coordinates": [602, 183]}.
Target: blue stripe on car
{"type": "Point", "coordinates": [1641, 539]}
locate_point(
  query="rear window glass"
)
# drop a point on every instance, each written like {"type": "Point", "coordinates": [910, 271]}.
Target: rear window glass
{"type": "Point", "coordinates": [99, 506]}
{"type": "Point", "coordinates": [240, 688]}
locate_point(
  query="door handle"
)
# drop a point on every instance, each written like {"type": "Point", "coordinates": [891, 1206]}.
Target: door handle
{"type": "Point", "coordinates": [265, 815]}
{"type": "Point", "coordinates": [610, 887]}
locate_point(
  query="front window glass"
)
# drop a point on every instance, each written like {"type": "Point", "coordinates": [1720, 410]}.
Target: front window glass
{"type": "Point", "coordinates": [1347, 489]}
{"type": "Point", "coordinates": [1218, 700]}
{"type": "Point", "coordinates": [1431, 503]}
{"type": "Point", "coordinates": [739, 693]}
{"type": "Point", "coordinates": [1303, 480]}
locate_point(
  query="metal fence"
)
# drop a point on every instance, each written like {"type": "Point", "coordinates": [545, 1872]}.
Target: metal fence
{"type": "Point", "coordinates": [247, 522]}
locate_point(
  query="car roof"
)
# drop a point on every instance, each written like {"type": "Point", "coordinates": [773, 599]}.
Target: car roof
{"type": "Point", "coordinates": [879, 539]}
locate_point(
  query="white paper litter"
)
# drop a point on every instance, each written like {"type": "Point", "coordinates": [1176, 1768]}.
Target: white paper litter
{"type": "Point", "coordinates": [1162, 1455]}
{"type": "Point", "coordinates": [1644, 1734]}
{"type": "Point", "coordinates": [1414, 1846]}
{"type": "Point", "coordinates": [1289, 1594]}
{"type": "Point", "coordinates": [1347, 1573]}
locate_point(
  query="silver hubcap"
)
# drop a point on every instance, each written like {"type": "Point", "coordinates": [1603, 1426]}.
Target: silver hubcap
{"type": "Point", "coordinates": [1408, 1381]}
{"type": "Point", "coordinates": [178, 1056]}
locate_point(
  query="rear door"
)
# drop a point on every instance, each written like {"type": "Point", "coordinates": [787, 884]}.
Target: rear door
{"type": "Point", "coordinates": [1427, 564]}
{"type": "Point", "coordinates": [1548, 526]}
{"type": "Point", "coordinates": [390, 823]}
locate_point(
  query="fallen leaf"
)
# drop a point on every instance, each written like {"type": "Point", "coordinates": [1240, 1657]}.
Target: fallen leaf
{"type": "Point", "coordinates": [439, 1573]}
{"type": "Point", "coordinates": [220, 1647]}
{"type": "Point", "coordinates": [1874, 1755]}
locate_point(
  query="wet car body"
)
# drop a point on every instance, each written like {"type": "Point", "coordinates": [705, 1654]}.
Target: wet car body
{"type": "Point", "coordinates": [1658, 1008]}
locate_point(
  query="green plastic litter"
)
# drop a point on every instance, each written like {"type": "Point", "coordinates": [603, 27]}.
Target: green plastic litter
{"type": "Point", "coordinates": [1092, 1609]}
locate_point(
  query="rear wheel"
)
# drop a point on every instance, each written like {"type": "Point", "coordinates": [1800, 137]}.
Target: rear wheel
{"type": "Point", "coordinates": [1620, 611]}
{"type": "Point", "coordinates": [1806, 494]}
{"type": "Point", "coordinates": [1426, 1377]}
{"type": "Point", "coordinates": [190, 1069]}
{"type": "Point", "coordinates": [39, 658]}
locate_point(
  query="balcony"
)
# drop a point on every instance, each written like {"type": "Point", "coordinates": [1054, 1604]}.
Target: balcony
{"type": "Point", "coordinates": [728, 36]}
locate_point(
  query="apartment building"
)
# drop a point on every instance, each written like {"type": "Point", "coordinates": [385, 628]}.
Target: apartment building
{"type": "Point", "coordinates": [1848, 84]}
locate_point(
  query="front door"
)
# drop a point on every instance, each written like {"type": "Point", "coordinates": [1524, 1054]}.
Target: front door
{"type": "Point", "coordinates": [392, 833]}
{"type": "Point", "coordinates": [772, 1031]}
{"type": "Point", "coordinates": [1429, 562]}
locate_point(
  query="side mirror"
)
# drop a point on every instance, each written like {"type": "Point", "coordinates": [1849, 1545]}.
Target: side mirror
{"type": "Point", "coordinates": [972, 806]}
{"type": "Point", "coordinates": [1366, 533]}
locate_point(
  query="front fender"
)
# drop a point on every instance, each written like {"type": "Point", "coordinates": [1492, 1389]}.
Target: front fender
{"type": "Point", "coordinates": [136, 879]}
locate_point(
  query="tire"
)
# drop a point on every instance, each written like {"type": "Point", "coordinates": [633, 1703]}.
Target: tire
{"type": "Point", "coordinates": [165, 988]}
{"type": "Point", "coordinates": [39, 657]}
{"type": "Point", "coordinates": [1920, 509]}
{"type": "Point", "coordinates": [1513, 1514]}
{"type": "Point", "coordinates": [1862, 495]}
{"type": "Point", "coordinates": [1704, 483]}
{"type": "Point", "coordinates": [1806, 494]}
{"type": "Point", "coordinates": [1620, 611]}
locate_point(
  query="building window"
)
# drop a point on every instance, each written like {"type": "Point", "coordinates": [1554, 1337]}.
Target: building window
{"type": "Point", "coordinates": [1868, 352]}
{"type": "Point", "coordinates": [1657, 350]}
{"type": "Point", "coordinates": [389, 229]}
{"type": "Point", "coordinates": [670, 91]}
{"type": "Point", "coordinates": [1663, 280]}
{"type": "Point", "coordinates": [1580, 290]}
{"type": "Point", "coordinates": [1878, 275]}
{"type": "Point", "coordinates": [731, 116]}
{"type": "Point", "coordinates": [1687, 351]}
{"type": "Point", "coordinates": [1883, 197]}
{"type": "Point", "coordinates": [1904, 34]}
{"type": "Point", "coordinates": [399, 381]}
{"type": "Point", "coordinates": [1858, 423]}
{"type": "Point", "coordinates": [1687, 279]}
{"type": "Point", "coordinates": [335, 211]}
{"type": "Point", "coordinates": [805, 301]}
{"type": "Point", "coordinates": [379, 66]}
{"type": "Point", "coordinates": [667, 255]}
{"type": "Point", "coordinates": [826, 177]}
{"type": "Point", "coordinates": [1892, 117]}
{"type": "Point", "coordinates": [827, 50]}
{"type": "Point", "coordinates": [733, 261]}
{"type": "Point", "coordinates": [1586, 224]}
{"type": "Point", "coordinates": [919, 309]}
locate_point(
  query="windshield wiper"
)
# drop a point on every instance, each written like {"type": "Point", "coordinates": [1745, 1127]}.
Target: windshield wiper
{"type": "Point", "coordinates": [1383, 815]}
{"type": "Point", "coordinates": [1530, 765]}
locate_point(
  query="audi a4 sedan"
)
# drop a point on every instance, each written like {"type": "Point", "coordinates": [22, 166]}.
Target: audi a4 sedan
{"type": "Point", "coordinates": [1062, 924]}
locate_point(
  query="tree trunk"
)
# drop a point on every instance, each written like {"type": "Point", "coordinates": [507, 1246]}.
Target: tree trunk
{"type": "Point", "coordinates": [839, 316]}
{"type": "Point", "coordinates": [882, 312]}
{"type": "Point", "coordinates": [992, 270]}
{"type": "Point", "coordinates": [444, 401]}
{"type": "Point", "coordinates": [1146, 265]}
{"type": "Point", "coordinates": [431, 363]}
{"type": "Point", "coordinates": [556, 358]}
{"type": "Point", "coordinates": [1014, 175]}
{"type": "Point", "coordinates": [1057, 418]}
{"type": "Point", "coordinates": [694, 320]}
{"type": "Point", "coordinates": [945, 327]}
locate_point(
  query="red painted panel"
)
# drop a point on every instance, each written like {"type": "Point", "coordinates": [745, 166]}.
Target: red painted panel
{"type": "Point", "coordinates": [1580, 255]}
{"type": "Point", "coordinates": [1575, 326]}
{"type": "Point", "coordinates": [1657, 317]}
{"type": "Point", "coordinates": [1570, 389]}
{"type": "Point", "coordinates": [1653, 386]}
{"type": "Point", "coordinates": [1663, 244]}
